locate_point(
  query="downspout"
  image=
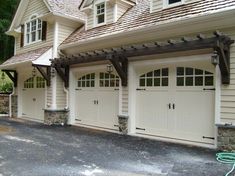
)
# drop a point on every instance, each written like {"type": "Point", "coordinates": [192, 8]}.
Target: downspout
{"type": "Point", "coordinates": [67, 98]}
{"type": "Point", "coordinates": [10, 101]}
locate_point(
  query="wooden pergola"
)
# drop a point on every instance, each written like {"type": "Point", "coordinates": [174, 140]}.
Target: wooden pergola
{"type": "Point", "coordinates": [119, 56]}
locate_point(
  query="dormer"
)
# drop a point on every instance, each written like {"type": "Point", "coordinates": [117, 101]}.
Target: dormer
{"type": "Point", "coordinates": [157, 5]}
{"type": "Point", "coordinates": [103, 12]}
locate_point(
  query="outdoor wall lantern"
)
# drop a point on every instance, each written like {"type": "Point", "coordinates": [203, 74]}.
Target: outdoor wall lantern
{"type": "Point", "coordinates": [109, 68]}
{"type": "Point", "coordinates": [34, 72]}
{"type": "Point", "coordinates": [52, 72]}
{"type": "Point", "coordinates": [215, 58]}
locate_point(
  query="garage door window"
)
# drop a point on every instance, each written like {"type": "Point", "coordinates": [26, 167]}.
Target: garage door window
{"type": "Point", "coordinates": [40, 82]}
{"type": "Point", "coordinates": [187, 76]}
{"type": "Point", "coordinates": [109, 80]}
{"type": "Point", "coordinates": [155, 78]}
{"type": "Point", "coordinates": [87, 80]}
{"type": "Point", "coordinates": [29, 83]}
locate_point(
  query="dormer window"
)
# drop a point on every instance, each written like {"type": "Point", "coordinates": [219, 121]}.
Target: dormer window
{"type": "Point", "coordinates": [100, 13]}
{"type": "Point", "coordinates": [172, 3]}
{"type": "Point", "coordinates": [33, 30]}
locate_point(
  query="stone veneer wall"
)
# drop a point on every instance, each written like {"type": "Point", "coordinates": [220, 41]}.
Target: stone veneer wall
{"type": "Point", "coordinates": [55, 117]}
{"type": "Point", "coordinates": [14, 105]}
{"type": "Point", "coordinates": [226, 138]}
{"type": "Point", "coordinates": [4, 103]}
{"type": "Point", "coordinates": [123, 124]}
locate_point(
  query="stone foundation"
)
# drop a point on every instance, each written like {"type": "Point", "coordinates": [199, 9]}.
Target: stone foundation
{"type": "Point", "coordinates": [4, 104]}
{"type": "Point", "coordinates": [55, 117]}
{"type": "Point", "coordinates": [14, 105]}
{"type": "Point", "coordinates": [226, 138]}
{"type": "Point", "coordinates": [123, 124]}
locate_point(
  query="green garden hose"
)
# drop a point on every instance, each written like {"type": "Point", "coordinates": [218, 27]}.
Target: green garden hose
{"type": "Point", "coordinates": [227, 158]}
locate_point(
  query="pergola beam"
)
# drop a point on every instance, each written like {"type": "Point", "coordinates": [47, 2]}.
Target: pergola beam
{"type": "Point", "coordinates": [12, 74]}
{"type": "Point", "coordinates": [45, 74]}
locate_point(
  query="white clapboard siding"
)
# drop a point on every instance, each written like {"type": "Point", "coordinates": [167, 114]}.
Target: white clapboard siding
{"type": "Point", "coordinates": [90, 20]}
{"type": "Point", "coordinates": [228, 92]}
{"type": "Point", "coordinates": [125, 100]}
{"type": "Point", "coordinates": [60, 94]}
{"type": "Point", "coordinates": [39, 8]}
{"type": "Point", "coordinates": [49, 96]}
{"type": "Point", "coordinates": [109, 13]}
{"type": "Point", "coordinates": [121, 8]}
{"type": "Point", "coordinates": [64, 32]}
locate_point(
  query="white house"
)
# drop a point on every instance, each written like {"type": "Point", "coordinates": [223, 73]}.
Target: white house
{"type": "Point", "coordinates": [161, 69]}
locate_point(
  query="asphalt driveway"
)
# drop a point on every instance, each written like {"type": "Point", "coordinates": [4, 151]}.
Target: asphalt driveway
{"type": "Point", "coordinates": [32, 149]}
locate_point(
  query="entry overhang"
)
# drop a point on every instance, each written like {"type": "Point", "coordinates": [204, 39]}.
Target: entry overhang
{"type": "Point", "coordinates": [219, 42]}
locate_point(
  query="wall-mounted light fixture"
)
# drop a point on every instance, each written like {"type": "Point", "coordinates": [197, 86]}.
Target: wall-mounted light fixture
{"type": "Point", "coordinates": [52, 72]}
{"type": "Point", "coordinates": [215, 58]}
{"type": "Point", "coordinates": [34, 72]}
{"type": "Point", "coordinates": [109, 68]}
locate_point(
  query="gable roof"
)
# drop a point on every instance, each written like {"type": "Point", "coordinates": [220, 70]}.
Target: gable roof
{"type": "Point", "coordinates": [65, 8]}
{"type": "Point", "coordinates": [139, 17]}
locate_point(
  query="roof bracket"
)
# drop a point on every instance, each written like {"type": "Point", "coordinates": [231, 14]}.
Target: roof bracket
{"type": "Point", "coordinates": [63, 72]}
{"type": "Point", "coordinates": [46, 74]}
{"type": "Point", "coordinates": [12, 74]}
{"type": "Point", "coordinates": [120, 63]}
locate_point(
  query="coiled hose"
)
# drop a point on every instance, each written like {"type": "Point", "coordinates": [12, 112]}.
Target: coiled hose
{"type": "Point", "coordinates": [227, 158]}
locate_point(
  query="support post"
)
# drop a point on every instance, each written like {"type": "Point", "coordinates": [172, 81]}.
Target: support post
{"type": "Point", "coordinates": [12, 74]}
{"type": "Point", "coordinates": [46, 74]}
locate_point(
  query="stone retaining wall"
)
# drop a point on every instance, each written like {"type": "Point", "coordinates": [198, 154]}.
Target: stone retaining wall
{"type": "Point", "coordinates": [226, 138]}
{"type": "Point", "coordinates": [4, 103]}
{"type": "Point", "coordinates": [56, 117]}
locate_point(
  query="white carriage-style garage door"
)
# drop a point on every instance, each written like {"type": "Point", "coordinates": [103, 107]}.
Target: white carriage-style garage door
{"type": "Point", "coordinates": [33, 98]}
{"type": "Point", "coordinates": [177, 101]}
{"type": "Point", "coordinates": [96, 101]}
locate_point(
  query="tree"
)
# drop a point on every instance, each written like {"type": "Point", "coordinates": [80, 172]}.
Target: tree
{"type": "Point", "coordinates": [7, 11]}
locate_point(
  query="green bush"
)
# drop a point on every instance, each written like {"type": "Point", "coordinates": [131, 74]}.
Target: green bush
{"type": "Point", "coordinates": [6, 88]}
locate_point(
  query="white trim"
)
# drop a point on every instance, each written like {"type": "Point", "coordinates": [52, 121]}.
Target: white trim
{"type": "Point", "coordinates": [120, 98]}
{"type": "Point", "coordinates": [115, 11]}
{"type": "Point", "coordinates": [217, 95]}
{"type": "Point", "coordinates": [44, 59]}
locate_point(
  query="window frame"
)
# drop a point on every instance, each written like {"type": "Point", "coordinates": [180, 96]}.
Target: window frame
{"type": "Point", "coordinates": [96, 15]}
{"type": "Point", "coordinates": [167, 5]}
{"type": "Point", "coordinates": [28, 25]}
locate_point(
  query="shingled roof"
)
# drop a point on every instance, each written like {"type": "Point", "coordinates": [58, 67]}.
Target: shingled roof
{"type": "Point", "coordinates": [67, 7]}
{"type": "Point", "coordinates": [25, 57]}
{"type": "Point", "coordinates": [139, 16]}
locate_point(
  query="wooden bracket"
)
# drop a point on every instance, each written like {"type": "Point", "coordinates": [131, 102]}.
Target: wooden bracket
{"type": "Point", "coordinates": [121, 65]}
{"type": "Point", "coordinates": [63, 72]}
{"type": "Point", "coordinates": [223, 50]}
{"type": "Point", "coordinates": [46, 74]}
{"type": "Point", "coordinates": [12, 74]}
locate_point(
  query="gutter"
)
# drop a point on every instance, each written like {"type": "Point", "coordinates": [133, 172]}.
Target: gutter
{"type": "Point", "coordinates": [10, 102]}
{"type": "Point", "coordinates": [175, 23]}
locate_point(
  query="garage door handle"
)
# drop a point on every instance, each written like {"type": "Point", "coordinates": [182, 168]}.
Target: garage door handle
{"type": "Point", "coordinates": [140, 129]}
{"type": "Point", "coordinates": [173, 105]}
{"type": "Point", "coordinates": [205, 137]}
{"type": "Point", "coordinates": [169, 105]}
{"type": "Point", "coordinates": [209, 89]}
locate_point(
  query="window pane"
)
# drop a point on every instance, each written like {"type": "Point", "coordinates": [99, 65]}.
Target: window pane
{"type": "Point", "coordinates": [92, 83]}
{"type": "Point", "coordinates": [112, 83]}
{"type": "Point", "coordinates": [106, 83]}
{"type": "Point", "coordinates": [33, 36]}
{"type": "Point", "coordinates": [157, 73]}
{"type": "Point", "coordinates": [199, 81]}
{"type": "Point", "coordinates": [83, 84]}
{"type": "Point", "coordinates": [93, 76]}
{"type": "Point", "coordinates": [79, 83]}
{"type": "Point", "coordinates": [164, 81]}
{"type": "Point", "coordinates": [149, 82]}
{"type": "Point", "coordinates": [180, 71]}
{"type": "Point", "coordinates": [150, 74]}
{"type": "Point", "coordinates": [156, 81]}
{"type": "Point", "coordinates": [112, 76]}
{"type": "Point", "coordinates": [198, 72]}
{"type": "Point", "coordinates": [101, 83]}
{"type": "Point", "coordinates": [100, 19]}
{"type": "Point", "coordinates": [189, 81]}
{"type": "Point", "coordinates": [142, 82]}
{"type": "Point", "coordinates": [189, 71]}
{"type": "Point", "coordinates": [117, 83]}
{"type": "Point", "coordinates": [106, 76]}
{"type": "Point", "coordinates": [87, 83]}
{"type": "Point", "coordinates": [209, 81]}
{"type": "Point", "coordinates": [39, 34]}
{"type": "Point", "coordinates": [180, 81]}
{"type": "Point", "coordinates": [88, 76]}
{"type": "Point", "coordinates": [165, 72]}
{"type": "Point", "coordinates": [173, 1]}
{"type": "Point", "coordinates": [208, 73]}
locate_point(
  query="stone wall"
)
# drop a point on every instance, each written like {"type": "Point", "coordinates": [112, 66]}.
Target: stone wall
{"type": "Point", "coordinates": [4, 103]}
{"type": "Point", "coordinates": [226, 138]}
{"type": "Point", "coordinates": [123, 124]}
{"type": "Point", "coordinates": [56, 117]}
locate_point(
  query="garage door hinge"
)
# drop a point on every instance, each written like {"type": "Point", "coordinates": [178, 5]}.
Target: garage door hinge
{"type": "Point", "coordinates": [209, 89]}
{"type": "Point", "coordinates": [140, 89]}
{"type": "Point", "coordinates": [78, 120]}
{"type": "Point", "coordinates": [78, 89]}
{"type": "Point", "coordinates": [140, 128]}
{"type": "Point", "coordinates": [204, 137]}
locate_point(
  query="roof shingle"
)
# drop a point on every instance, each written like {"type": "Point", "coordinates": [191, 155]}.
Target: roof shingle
{"type": "Point", "coordinates": [139, 16]}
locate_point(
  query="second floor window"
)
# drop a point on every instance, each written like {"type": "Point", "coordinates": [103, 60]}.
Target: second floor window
{"type": "Point", "coordinates": [33, 30]}
{"type": "Point", "coordinates": [173, 1]}
{"type": "Point", "coordinates": [100, 13]}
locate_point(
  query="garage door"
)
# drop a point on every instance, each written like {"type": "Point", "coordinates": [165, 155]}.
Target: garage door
{"type": "Point", "coordinates": [33, 98]}
{"type": "Point", "coordinates": [176, 101]}
{"type": "Point", "coordinates": [97, 100]}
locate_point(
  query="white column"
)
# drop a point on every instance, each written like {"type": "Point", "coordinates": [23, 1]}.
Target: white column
{"type": "Point", "coordinates": [217, 95]}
